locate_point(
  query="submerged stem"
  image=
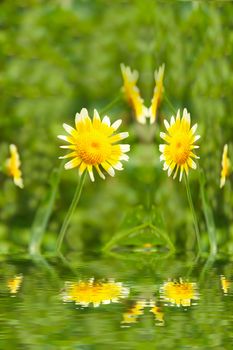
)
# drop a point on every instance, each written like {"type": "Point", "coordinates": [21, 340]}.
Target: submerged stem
{"type": "Point", "coordinates": [70, 212]}
{"type": "Point", "coordinates": [193, 212]}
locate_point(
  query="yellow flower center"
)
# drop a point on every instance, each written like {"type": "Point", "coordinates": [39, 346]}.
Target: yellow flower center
{"type": "Point", "coordinates": [179, 293]}
{"type": "Point", "coordinates": [180, 148]}
{"type": "Point", "coordinates": [93, 148]}
{"type": "Point", "coordinates": [83, 292]}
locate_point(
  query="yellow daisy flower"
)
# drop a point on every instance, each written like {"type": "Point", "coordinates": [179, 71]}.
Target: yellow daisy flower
{"type": "Point", "coordinates": [13, 166]}
{"type": "Point", "coordinates": [158, 91]}
{"type": "Point", "coordinates": [179, 293]}
{"type": "Point", "coordinates": [133, 96]}
{"type": "Point", "coordinates": [225, 284]}
{"type": "Point", "coordinates": [14, 284]}
{"type": "Point", "coordinates": [93, 145]}
{"type": "Point", "coordinates": [85, 293]}
{"type": "Point", "coordinates": [132, 93]}
{"type": "Point", "coordinates": [178, 152]}
{"type": "Point", "coordinates": [225, 166]}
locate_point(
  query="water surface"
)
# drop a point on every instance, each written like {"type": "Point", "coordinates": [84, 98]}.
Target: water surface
{"type": "Point", "coordinates": [141, 301]}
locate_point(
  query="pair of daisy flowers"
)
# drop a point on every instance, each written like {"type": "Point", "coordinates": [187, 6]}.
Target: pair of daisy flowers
{"type": "Point", "coordinates": [95, 145]}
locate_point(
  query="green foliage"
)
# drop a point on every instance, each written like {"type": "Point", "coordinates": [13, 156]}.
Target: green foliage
{"type": "Point", "coordinates": [59, 56]}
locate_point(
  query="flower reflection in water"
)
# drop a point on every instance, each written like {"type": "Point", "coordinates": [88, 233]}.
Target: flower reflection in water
{"type": "Point", "coordinates": [225, 284]}
{"type": "Point", "coordinates": [93, 292]}
{"type": "Point", "coordinates": [132, 315]}
{"type": "Point", "coordinates": [159, 315]}
{"type": "Point", "coordinates": [179, 293]}
{"type": "Point", "coordinates": [14, 284]}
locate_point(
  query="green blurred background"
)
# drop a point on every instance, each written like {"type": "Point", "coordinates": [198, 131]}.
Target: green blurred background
{"type": "Point", "coordinates": [59, 56]}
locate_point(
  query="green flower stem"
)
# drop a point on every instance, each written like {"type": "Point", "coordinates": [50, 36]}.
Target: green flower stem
{"type": "Point", "coordinates": [164, 235]}
{"type": "Point", "coordinates": [193, 212]}
{"type": "Point", "coordinates": [111, 104]}
{"type": "Point", "coordinates": [170, 104]}
{"type": "Point", "coordinates": [209, 218]}
{"type": "Point", "coordinates": [44, 212]}
{"type": "Point", "coordinates": [70, 212]}
{"type": "Point", "coordinates": [121, 235]}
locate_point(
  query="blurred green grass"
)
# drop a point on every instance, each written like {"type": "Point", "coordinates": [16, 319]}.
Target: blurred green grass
{"type": "Point", "coordinates": [60, 56]}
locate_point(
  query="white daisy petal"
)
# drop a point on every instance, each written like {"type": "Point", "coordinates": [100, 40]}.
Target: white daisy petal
{"type": "Point", "coordinates": [84, 113]}
{"type": "Point", "coordinates": [193, 129]}
{"type": "Point", "coordinates": [69, 129]}
{"type": "Point", "coordinates": [77, 118]}
{"type": "Point", "coordinates": [167, 125]}
{"type": "Point", "coordinates": [96, 114]}
{"type": "Point", "coordinates": [107, 167]}
{"type": "Point", "coordinates": [192, 164]}
{"type": "Point", "coordinates": [186, 115]}
{"type": "Point", "coordinates": [74, 147]}
{"type": "Point", "coordinates": [175, 173]}
{"type": "Point", "coordinates": [163, 136]}
{"type": "Point", "coordinates": [100, 172]}
{"type": "Point", "coordinates": [73, 163]}
{"type": "Point", "coordinates": [118, 166]}
{"type": "Point", "coordinates": [116, 124]}
{"type": "Point", "coordinates": [18, 182]}
{"type": "Point", "coordinates": [196, 137]}
{"type": "Point", "coordinates": [69, 155]}
{"type": "Point", "coordinates": [172, 120]}
{"type": "Point", "coordinates": [170, 171]}
{"type": "Point", "coordinates": [162, 148]}
{"type": "Point", "coordinates": [181, 173]}
{"type": "Point", "coordinates": [162, 157]}
{"type": "Point", "coordinates": [165, 166]}
{"type": "Point", "coordinates": [89, 168]}
{"type": "Point", "coordinates": [123, 135]}
{"type": "Point", "coordinates": [111, 171]}
{"type": "Point", "coordinates": [192, 155]}
{"type": "Point", "coordinates": [178, 115]}
{"type": "Point", "coordinates": [63, 137]}
{"type": "Point", "coordinates": [106, 120]}
{"type": "Point", "coordinates": [125, 148]}
{"type": "Point", "coordinates": [124, 157]}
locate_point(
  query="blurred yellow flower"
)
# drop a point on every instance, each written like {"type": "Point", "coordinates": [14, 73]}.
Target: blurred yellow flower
{"type": "Point", "coordinates": [13, 166]}
{"type": "Point", "coordinates": [14, 284]}
{"type": "Point", "coordinates": [158, 91]}
{"type": "Point", "coordinates": [93, 145]}
{"type": "Point", "coordinates": [132, 93]}
{"type": "Point", "coordinates": [225, 284]}
{"type": "Point", "coordinates": [91, 292]}
{"type": "Point", "coordinates": [179, 293]}
{"type": "Point", "coordinates": [225, 172]}
{"type": "Point", "coordinates": [178, 152]}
